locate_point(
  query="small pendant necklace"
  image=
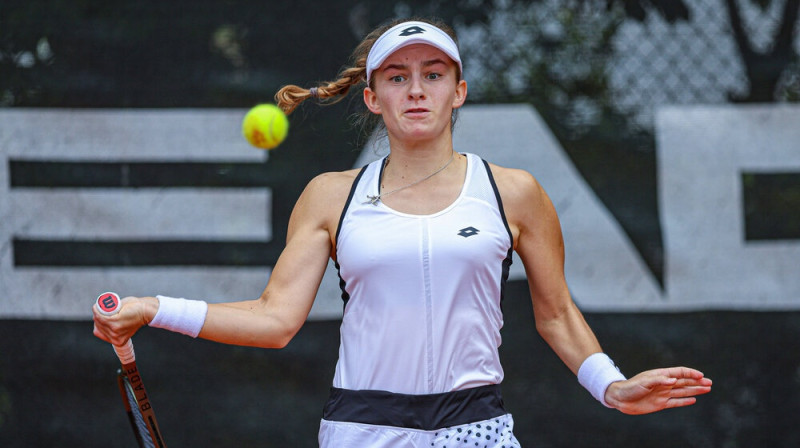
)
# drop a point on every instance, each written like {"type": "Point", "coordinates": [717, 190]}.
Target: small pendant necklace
{"type": "Point", "coordinates": [373, 199]}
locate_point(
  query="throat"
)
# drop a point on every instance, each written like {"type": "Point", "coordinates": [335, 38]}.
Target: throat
{"type": "Point", "coordinates": [427, 195]}
{"type": "Point", "coordinates": [373, 199]}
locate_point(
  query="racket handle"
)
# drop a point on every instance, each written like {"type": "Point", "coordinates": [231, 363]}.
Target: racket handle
{"type": "Point", "coordinates": [108, 304]}
{"type": "Point", "coordinates": [125, 353]}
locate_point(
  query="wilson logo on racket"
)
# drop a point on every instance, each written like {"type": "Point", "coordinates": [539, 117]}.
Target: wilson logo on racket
{"type": "Point", "coordinates": [108, 302]}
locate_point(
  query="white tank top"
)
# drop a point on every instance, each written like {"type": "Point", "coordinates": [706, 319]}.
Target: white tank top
{"type": "Point", "coordinates": [422, 293]}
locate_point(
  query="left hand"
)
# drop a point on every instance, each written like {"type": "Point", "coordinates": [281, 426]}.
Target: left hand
{"type": "Point", "coordinates": [658, 389]}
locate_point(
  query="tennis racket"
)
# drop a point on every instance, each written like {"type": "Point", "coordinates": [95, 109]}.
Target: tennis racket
{"type": "Point", "coordinates": [134, 395]}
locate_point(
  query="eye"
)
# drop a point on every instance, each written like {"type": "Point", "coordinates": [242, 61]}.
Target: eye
{"type": "Point", "coordinates": [397, 78]}
{"type": "Point", "coordinates": [433, 76]}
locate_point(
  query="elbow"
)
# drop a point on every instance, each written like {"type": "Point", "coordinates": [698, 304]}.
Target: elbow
{"type": "Point", "coordinates": [280, 342]}
{"type": "Point", "coordinates": [544, 330]}
{"type": "Point", "coordinates": [551, 320]}
{"type": "Point", "coordinates": [274, 327]}
{"type": "Point", "coordinates": [281, 336]}
{"type": "Point", "coordinates": [269, 333]}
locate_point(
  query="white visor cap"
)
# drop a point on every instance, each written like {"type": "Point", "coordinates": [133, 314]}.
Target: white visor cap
{"type": "Point", "coordinates": [408, 33]}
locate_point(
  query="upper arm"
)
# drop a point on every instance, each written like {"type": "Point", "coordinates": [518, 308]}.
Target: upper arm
{"type": "Point", "coordinates": [537, 237]}
{"type": "Point", "coordinates": [296, 276]}
{"type": "Point", "coordinates": [274, 318]}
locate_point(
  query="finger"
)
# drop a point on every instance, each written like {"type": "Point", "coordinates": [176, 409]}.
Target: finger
{"type": "Point", "coordinates": [95, 312]}
{"type": "Point", "coordinates": [682, 372]}
{"type": "Point", "coordinates": [659, 381]}
{"type": "Point", "coordinates": [680, 402]}
{"type": "Point", "coordinates": [99, 334]}
{"type": "Point", "coordinates": [691, 382]}
{"type": "Point", "coordinates": [689, 391]}
{"type": "Point", "coordinates": [126, 301]}
{"type": "Point", "coordinates": [682, 390]}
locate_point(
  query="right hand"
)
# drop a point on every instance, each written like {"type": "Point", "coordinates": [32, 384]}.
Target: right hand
{"type": "Point", "coordinates": [134, 313]}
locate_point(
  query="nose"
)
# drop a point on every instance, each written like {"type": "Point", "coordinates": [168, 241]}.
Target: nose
{"type": "Point", "coordinates": [415, 89]}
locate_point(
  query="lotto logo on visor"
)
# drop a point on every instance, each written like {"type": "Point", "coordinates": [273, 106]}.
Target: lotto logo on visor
{"type": "Point", "coordinates": [409, 33]}
{"type": "Point", "coordinates": [412, 30]}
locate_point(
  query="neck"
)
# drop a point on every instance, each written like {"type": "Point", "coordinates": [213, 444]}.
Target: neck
{"type": "Point", "coordinates": [419, 156]}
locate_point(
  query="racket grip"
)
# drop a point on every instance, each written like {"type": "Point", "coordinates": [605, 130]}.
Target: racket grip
{"type": "Point", "coordinates": [125, 352]}
{"type": "Point", "coordinates": [108, 304]}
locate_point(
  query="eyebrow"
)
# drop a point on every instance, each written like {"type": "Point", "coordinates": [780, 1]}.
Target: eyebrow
{"type": "Point", "coordinates": [424, 64]}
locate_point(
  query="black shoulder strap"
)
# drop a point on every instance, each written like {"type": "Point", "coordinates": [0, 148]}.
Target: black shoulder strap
{"type": "Point", "coordinates": [342, 284]}
{"type": "Point", "coordinates": [499, 200]}
{"type": "Point", "coordinates": [347, 204]}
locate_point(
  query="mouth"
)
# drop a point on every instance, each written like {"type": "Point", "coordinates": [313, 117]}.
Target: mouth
{"type": "Point", "coordinates": [417, 111]}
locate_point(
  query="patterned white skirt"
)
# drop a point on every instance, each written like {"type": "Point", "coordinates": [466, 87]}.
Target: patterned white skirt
{"type": "Point", "coordinates": [492, 433]}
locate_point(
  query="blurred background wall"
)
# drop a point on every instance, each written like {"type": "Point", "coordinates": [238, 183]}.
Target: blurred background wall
{"type": "Point", "coordinates": [629, 91]}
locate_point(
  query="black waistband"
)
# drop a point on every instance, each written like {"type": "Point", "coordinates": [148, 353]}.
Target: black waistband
{"type": "Point", "coordinates": [425, 412]}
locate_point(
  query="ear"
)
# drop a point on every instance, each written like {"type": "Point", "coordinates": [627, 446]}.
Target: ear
{"type": "Point", "coordinates": [461, 94]}
{"type": "Point", "coordinates": [371, 101]}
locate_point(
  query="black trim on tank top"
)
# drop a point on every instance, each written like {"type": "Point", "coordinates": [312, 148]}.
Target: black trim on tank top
{"type": "Point", "coordinates": [342, 283]}
{"type": "Point", "coordinates": [499, 201]}
{"type": "Point", "coordinates": [509, 256]}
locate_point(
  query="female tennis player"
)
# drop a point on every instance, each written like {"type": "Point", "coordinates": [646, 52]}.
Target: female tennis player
{"type": "Point", "coordinates": [423, 241]}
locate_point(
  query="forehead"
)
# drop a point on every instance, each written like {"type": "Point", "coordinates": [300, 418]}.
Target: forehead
{"type": "Point", "coordinates": [416, 52]}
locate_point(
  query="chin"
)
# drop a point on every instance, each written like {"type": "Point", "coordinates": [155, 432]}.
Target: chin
{"type": "Point", "coordinates": [421, 132]}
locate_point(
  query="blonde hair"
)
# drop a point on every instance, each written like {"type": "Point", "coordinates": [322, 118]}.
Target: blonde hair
{"type": "Point", "coordinates": [290, 96]}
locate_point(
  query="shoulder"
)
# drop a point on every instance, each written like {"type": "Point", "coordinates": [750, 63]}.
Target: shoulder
{"type": "Point", "coordinates": [525, 202]}
{"type": "Point", "coordinates": [516, 185]}
{"type": "Point", "coordinates": [332, 183]}
{"type": "Point", "coordinates": [325, 195]}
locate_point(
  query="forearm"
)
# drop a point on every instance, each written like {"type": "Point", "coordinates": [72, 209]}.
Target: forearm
{"type": "Point", "coordinates": [575, 343]}
{"type": "Point", "coordinates": [247, 323]}
{"type": "Point", "coordinates": [568, 334]}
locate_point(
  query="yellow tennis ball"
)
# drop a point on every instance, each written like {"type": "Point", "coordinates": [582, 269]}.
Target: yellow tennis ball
{"type": "Point", "coordinates": [265, 126]}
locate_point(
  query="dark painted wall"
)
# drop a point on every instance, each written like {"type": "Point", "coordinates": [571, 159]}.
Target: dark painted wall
{"type": "Point", "coordinates": [58, 385]}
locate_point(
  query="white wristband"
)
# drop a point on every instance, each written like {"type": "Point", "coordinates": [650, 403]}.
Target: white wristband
{"type": "Point", "coordinates": [596, 373]}
{"type": "Point", "coordinates": [180, 315]}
